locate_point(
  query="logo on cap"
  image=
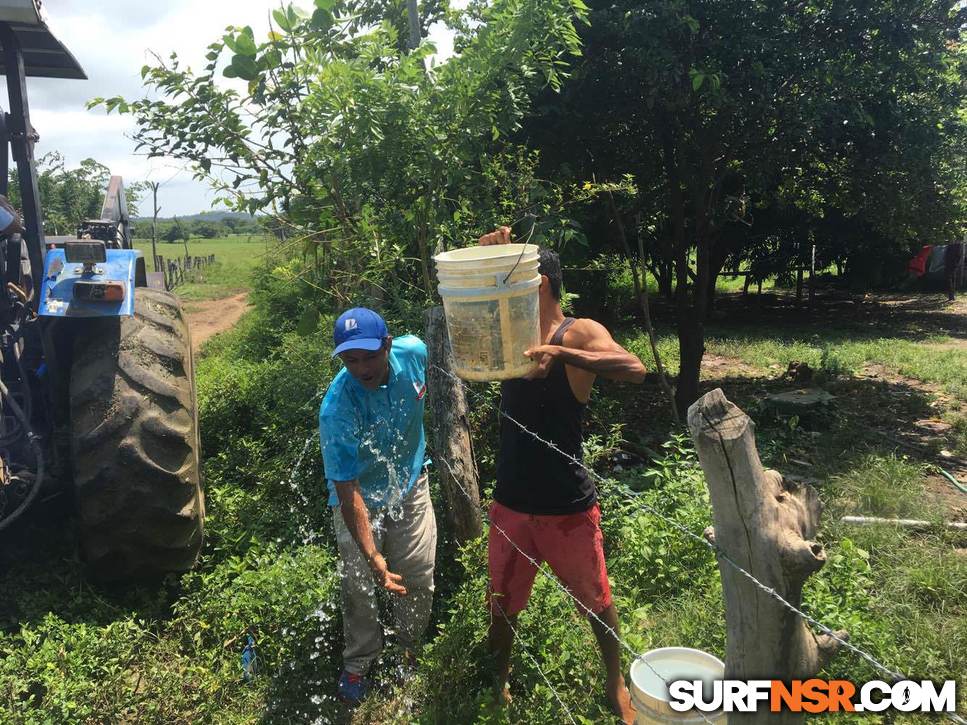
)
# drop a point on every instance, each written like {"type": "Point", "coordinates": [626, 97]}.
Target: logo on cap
{"type": "Point", "coordinates": [351, 324]}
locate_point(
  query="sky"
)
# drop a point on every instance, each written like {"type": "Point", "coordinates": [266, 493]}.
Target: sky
{"type": "Point", "coordinates": [112, 40]}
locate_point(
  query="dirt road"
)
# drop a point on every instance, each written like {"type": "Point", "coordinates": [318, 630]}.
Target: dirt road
{"type": "Point", "coordinates": [210, 317]}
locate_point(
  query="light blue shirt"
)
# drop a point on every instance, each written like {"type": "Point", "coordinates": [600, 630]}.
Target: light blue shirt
{"type": "Point", "coordinates": [376, 436]}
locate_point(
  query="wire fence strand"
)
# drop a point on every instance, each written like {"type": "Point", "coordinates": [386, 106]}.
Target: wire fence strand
{"type": "Point", "coordinates": [715, 548]}
{"type": "Point", "coordinates": [557, 696]}
{"type": "Point", "coordinates": [560, 585]}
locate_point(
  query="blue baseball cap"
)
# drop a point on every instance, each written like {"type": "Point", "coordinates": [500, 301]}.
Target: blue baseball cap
{"type": "Point", "coordinates": [359, 329]}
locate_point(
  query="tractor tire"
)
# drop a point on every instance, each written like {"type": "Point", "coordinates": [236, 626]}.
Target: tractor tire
{"type": "Point", "coordinates": [134, 442]}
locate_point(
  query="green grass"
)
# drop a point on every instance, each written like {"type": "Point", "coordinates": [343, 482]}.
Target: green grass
{"type": "Point", "coordinates": [835, 351]}
{"type": "Point", "coordinates": [236, 257]}
{"type": "Point", "coordinates": [72, 652]}
{"type": "Point", "coordinates": [959, 433]}
{"type": "Point", "coordinates": [888, 486]}
{"type": "Point", "coordinates": [842, 355]}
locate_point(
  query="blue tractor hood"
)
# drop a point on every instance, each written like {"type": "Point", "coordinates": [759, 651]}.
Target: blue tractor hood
{"type": "Point", "coordinates": [60, 276]}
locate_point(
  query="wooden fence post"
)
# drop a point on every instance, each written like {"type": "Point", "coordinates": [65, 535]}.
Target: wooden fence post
{"type": "Point", "coordinates": [766, 525]}
{"type": "Point", "coordinates": [451, 432]}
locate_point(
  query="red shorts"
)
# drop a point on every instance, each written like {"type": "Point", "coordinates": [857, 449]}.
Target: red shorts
{"type": "Point", "coordinates": [571, 544]}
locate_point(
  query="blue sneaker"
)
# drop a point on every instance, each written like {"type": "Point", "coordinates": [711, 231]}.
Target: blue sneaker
{"type": "Point", "coordinates": [352, 688]}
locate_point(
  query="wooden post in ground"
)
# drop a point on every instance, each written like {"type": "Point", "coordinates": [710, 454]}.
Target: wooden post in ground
{"type": "Point", "coordinates": [452, 448]}
{"type": "Point", "coordinates": [765, 525]}
{"type": "Point", "coordinates": [153, 185]}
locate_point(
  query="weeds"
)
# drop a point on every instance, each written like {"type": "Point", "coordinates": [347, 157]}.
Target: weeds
{"type": "Point", "coordinates": [171, 653]}
{"type": "Point", "coordinates": [890, 486]}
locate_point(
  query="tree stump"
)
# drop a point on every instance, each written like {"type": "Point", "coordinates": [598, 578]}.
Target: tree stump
{"type": "Point", "coordinates": [766, 525]}
{"type": "Point", "coordinates": [450, 435]}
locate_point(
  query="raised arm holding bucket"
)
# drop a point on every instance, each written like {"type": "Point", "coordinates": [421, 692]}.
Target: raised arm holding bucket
{"type": "Point", "coordinates": [546, 504]}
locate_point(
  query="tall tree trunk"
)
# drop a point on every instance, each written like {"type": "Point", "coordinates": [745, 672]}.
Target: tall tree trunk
{"type": "Point", "coordinates": [641, 292]}
{"type": "Point", "coordinates": [665, 286]}
{"type": "Point", "coordinates": [413, 18]}
{"type": "Point", "coordinates": [690, 308]}
{"type": "Point", "coordinates": [691, 349]}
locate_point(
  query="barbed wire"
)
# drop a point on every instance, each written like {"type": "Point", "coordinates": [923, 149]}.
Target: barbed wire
{"type": "Point", "coordinates": [560, 585]}
{"type": "Point", "coordinates": [715, 548]}
{"type": "Point", "coordinates": [638, 498]}
{"type": "Point", "coordinates": [565, 708]}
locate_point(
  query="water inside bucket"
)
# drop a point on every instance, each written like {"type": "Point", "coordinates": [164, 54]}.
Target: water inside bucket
{"type": "Point", "coordinates": [491, 305]}
{"type": "Point", "coordinates": [651, 672]}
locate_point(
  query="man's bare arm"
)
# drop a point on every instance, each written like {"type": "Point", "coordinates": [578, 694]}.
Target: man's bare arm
{"type": "Point", "coordinates": [595, 351]}
{"type": "Point", "coordinates": [354, 513]}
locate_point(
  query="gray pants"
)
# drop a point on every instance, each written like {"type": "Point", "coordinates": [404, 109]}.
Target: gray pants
{"type": "Point", "coordinates": [409, 547]}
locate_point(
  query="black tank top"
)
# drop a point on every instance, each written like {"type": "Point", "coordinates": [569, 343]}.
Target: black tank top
{"type": "Point", "coordinates": [531, 477]}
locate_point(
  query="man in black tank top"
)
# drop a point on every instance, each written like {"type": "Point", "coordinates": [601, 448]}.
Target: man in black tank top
{"type": "Point", "coordinates": [545, 504]}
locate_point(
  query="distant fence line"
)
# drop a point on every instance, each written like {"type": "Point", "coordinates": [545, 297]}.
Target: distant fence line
{"type": "Point", "coordinates": [181, 269]}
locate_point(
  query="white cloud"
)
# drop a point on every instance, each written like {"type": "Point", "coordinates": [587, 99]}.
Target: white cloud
{"type": "Point", "coordinates": [112, 40]}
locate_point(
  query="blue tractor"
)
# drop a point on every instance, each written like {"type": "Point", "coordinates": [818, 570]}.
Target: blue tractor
{"type": "Point", "coordinates": [97, 392]}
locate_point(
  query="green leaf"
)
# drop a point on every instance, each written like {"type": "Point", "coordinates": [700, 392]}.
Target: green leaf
{"type": "Point", "coordinates": [697, 80]}
{"type": "Point", "coordinates": [245, 67]}
{"type": "Point", "coordinates": [245, 44]}
{"type": "Point", "coordinates": [230, 72]}
{"type": "Point", "coordinates": [270, 59]}
{"type": "Point", "coordinates": [275, 37]}
{"type": "Point", "coordinates": [308, 322]}
{"type": "Point", "coordinates": [322, 20]}
{"type": "Point", "coordinates": [281, 20]}
{"type": "Point", "coordinates": [325, 4]}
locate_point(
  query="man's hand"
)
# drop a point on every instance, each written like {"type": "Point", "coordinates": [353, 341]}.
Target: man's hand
{"type": "Point", "coordinates": [500, 236]}
{"type": "Point", "coordinates": [393, 583]}
{"type": "Point", "coordinates": [356, 518]}
{"type": "Point", "coordinates": [544, 355]}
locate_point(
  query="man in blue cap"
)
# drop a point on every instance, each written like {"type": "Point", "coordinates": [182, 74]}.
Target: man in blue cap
{"type": "Point", "coordinates": [373, 449]}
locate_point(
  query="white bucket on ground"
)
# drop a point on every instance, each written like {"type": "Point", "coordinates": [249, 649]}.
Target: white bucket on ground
{"type": "Point", "coordinates": [649, 692]}
{"type": "Point", "coordinates": [491, 305]}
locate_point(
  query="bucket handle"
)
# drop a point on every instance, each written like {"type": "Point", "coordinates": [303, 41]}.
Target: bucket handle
{"type": "Point", "coordinates": [533, 220]}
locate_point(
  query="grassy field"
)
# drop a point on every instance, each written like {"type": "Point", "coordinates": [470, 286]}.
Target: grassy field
{"type": "Point", "coordinates": [235, 258]}
{"type": "Point", "coordinates": [170, 652]}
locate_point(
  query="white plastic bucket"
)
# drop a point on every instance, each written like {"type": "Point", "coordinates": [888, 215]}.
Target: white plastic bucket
{"type": "Point", "coordinates": [651, 672]}
{"type": "Point", "coordinates": [491, 304]}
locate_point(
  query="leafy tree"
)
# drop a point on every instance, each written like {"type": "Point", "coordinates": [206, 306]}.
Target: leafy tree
{"type": "Point", "coordinates": [232, 224]}
{"type": "Point", "coordinates": [177, 230]}
{"type": "Point", "coordinates": [367, 13]}
{"type": "Point", "coordinates": [742, 122]}
{"type": "Point", "coordinates": [364, 153]}
{"type": "Point", "coordinates": [207, 229]}
{"type": "Point", "coordinates": [71, 196]}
